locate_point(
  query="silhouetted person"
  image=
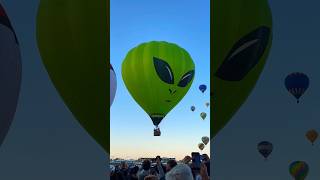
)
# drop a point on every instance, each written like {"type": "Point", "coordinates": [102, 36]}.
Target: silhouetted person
{"type": "Point", "coordinates": [133, 173]}
{"type": "Point", "coordinates": [206, 161]}
{"type": "Point", "coordinates": [146, 164]}
{"type": "Point", "coordinates": [170, 164]}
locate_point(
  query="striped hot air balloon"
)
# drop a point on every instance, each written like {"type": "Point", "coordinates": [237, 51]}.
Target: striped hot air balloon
{"type": "Point", "coordinates": [299, 170]}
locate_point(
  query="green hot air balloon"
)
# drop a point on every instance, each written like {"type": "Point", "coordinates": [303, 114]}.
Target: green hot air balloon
{"type": "Point", "coordinates": [203, 115]}
{"type": "Point", "coordinates": [158, 75]}
{"type": "Point", "coordinates": [72, 39]}
{"type": "Point", "coordinates": [242, 35]}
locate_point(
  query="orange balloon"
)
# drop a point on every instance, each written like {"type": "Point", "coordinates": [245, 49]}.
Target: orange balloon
{"type": "Point", "coordinates": [312, 135]}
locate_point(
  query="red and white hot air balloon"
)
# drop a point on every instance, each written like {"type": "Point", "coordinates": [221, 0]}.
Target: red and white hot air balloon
{"type": "Point", "coordinates": [113, 84]}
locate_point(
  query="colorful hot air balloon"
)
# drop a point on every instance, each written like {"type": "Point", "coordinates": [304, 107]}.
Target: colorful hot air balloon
{"type": "Point", "coordinates": [242, 35]}
{"type": "Point", "coordinates": [158, 75]}
{"type": "Point", "coordinates": [193, 108]}
{"type": "Point", "coordinates": [10, 73]}
{"type": "Point", "coordinates": [205, 140]}
{"type": "Point", "coordinates": [203, 115]}
{"type": "Point", "coordinates": [201, 146]}
{"type": "Point", "coordinates": [299, 170]}
{"type": "Point", "coordinates": [73, 42]}
{"type": "Point", "coordinates": [265, 148]}
{"type": "Point", "coordinates": [202, 88]}
{"type": "Point", "coordinates": [113, 84]}
{"type": "Point", "coordinates": [297, 83]}
{"type": "Point", "coordinates": [312, 135]}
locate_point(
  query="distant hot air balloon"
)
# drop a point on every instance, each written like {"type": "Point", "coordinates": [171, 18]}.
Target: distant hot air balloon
{"type": "Point", "coordinates": [159, 78]}
{"type": "Point", "coordinates": [241, 40]}
{"type": "Point", "coordinates": [201, 146]}
{"type": "Point", "coordinates": [202, 88]}
{"type": "Point", "coordinates": [312, 135]}
{"type": "Point", "coordinates": [299, 170]}
{"type": "Point", "coordinates": [73, 42]}
{"type": "Point", "coordinates": [113, 84]}
{"type": "Point", "coordinates": [193, 108]}
{"type": "Point", "coordinates": [265, 148]}
{"type": "Point", "coordinates": [10, 73]}
{"type": "Point", "coordinates": [205, 140]}
{"type": "Point", "coordinates": [207, 104]}
{"type": "Point", "coordinates": [297, 83]}
{"type": "Point", "coordinates": [203, 115]}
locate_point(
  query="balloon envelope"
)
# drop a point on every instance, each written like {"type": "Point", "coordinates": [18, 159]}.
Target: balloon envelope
{"type": "Point", "coordinates": [299, 170]}
{"type": "Point", "coordinates": [205, 140]}
{"type": "Point", "coordinates": [193, 108]}
{"type": "Point", "coordinates": [207, 104]}
{"type": "Point", "coordinates": [201, 146]}
{"type": "Point", "coordinates": [72, 39]}
{"type": "Point", "coordinates": [242, 35]}
{"type": "Point", "coordinates": [312, 135]}
{"type": "Point", "coordinates": [10, 73]}
{"type": "Point", "coordinates": [113, 84]}
{"type": "Point", "coordinates": [158, 75]}
{"type": "Point", "coordinates": [203, 115]}
{"type": "Point", "coordinates": [202, 88]}
{"type": "Point", "coordinates": [297, 83]}
{"type": "Point", "coordinates": [265, 148]}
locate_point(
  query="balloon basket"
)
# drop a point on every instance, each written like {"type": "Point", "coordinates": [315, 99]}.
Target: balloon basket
{"type": "Point", "coordinates": [156, 132]}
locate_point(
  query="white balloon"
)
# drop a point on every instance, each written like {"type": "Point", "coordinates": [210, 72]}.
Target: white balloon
{"type": "Point", "coordinates": [113, 84]}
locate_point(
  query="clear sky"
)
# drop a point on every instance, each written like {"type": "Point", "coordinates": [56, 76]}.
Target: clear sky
{"type": "Point", "coordinates": [186, 24]}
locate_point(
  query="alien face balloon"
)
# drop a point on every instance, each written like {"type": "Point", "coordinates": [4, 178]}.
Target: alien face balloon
{"type": "Point", "coordinates": [158, 75]}
{"type": "Point", "coordinates": [113, 84]}
{"type": "Point", "coordinates": [74, 49]}
{"type": "Point", "coordinates": [241, 42]}
{"type": "Point", "coordinates": [10, 73]}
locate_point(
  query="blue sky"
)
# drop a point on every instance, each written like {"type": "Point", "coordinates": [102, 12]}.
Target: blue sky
{"type": "Point", "coordinates": [186, 24]}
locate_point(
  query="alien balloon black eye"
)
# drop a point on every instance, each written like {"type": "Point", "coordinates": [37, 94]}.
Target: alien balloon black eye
{"type": "Point", "coordinates": [244, 55]}
{"type": "Point", "coordinates": [163, 70]}
{"type": "Point", "coordinates": [186, 79]}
